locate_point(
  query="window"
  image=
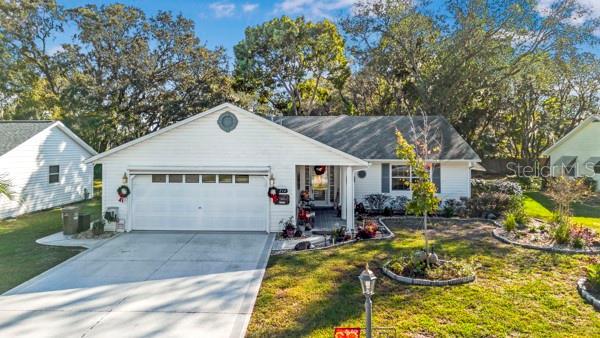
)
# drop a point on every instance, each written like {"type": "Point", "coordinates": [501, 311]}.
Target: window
{"type": "Point", "coordinates": [192, 178]}
{"type": "Point", "coordinates": [570, 169]}
{"type": "Point", "coordinates": [175, 178]}
{"type": "Point", "coordinates": [211, 178]}
{"type": "Point", "coordinates": [160, 178]}
{"type": "Point", "coordinates": [53, 174]}
{"type": "Point", "coordinates": [597, 168]}
{"type": "Point", "coordinates": [401, 177]}
{"type": "Point", "coordinates": [225, 178]}
{"type": "Point", "coordinates": [242, 179]}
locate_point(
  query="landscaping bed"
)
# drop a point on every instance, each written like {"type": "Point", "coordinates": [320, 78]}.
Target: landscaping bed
{"type": "Point", "coordinates": [518, 292]}
{"type": "Point", "coordinates": [590, 293]}
{"type": "Point", "coordinates": [406, 270]}
{"type": "Point", "coordinates": [540, 235]}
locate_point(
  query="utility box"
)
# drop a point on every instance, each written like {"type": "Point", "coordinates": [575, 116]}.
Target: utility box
{"type": "Point", "coordinates": [70, 218]}
{"type": "Point", "coordinates": [84, 222]}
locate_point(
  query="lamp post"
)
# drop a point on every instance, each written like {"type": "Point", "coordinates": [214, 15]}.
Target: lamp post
{"type": "Point", "coordinates": [367, 282]}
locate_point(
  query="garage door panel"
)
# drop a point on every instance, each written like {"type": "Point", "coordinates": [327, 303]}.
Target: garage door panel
{"type": "Point", "coordinates": [199, 206]}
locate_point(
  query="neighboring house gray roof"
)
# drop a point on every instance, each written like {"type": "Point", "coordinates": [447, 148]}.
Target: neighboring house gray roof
{"type": "Point", "coordinates": [13, 133]}
{"type": "Point", "coordinates": [373, 137]}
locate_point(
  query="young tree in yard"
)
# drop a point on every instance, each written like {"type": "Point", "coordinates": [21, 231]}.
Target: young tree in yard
{"type": "Point", "coordinates": [424, 201]}
{"type": "Point", "coordinates": [291, 63]}
{"type": "Point", "coordinates": [565, 191]}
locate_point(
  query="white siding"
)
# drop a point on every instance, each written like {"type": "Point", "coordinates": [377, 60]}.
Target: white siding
{"type": "Point", "coordinates": [255, 142]}
{"type": "Point", "coordinates": [583, 144]}
{"type": "Point", "coordinates": [26, 166]}
{"type": "Point", "coordinates": [455, 180]}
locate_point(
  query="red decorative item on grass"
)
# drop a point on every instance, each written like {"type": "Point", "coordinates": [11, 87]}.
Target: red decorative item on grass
{"type": "Point", "coordinates": [123, 191]}
{"type": "Point", "coordinates": [346, 332]}
{"type": "Point", "coordinates": [320, 169]}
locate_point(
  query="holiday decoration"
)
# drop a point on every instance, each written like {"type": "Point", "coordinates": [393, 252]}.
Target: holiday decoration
{"type": "Point", "coordinates": [320, 169]}
{"type": "Point", "coordinates": [273, 194]}
{"type": "Point", "coordinates": [123, 191]}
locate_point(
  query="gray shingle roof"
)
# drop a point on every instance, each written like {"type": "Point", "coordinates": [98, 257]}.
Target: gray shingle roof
{"type": "Point", "coordinates": [373, 137]}
{"type": "Point", "coordinates": [13, 133]}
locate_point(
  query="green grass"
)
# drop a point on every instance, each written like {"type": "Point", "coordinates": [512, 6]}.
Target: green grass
{"type": "Point", "coordinates": [518, 292]}
{"type": "Point", "coordinates": [22, 258]}
{"type": "Point", "coordinates": [539, 205]}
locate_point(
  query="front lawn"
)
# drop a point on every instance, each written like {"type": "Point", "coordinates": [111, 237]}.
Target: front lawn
{"type": "Point", "coordinates": [22, 258]}
{"type": "Point", "coordinates": [518, 292]}
{"type": "Point", "coordinates": [540, 206]}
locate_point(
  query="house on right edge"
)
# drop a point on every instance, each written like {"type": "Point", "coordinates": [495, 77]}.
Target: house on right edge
{"type": "Point", "coordinates": [577, 154]}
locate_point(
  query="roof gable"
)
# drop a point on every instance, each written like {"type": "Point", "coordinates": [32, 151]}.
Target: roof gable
{"type": "Point", "coordinates": [374, 138]}
{"type": "Point", "coordinates": [222, 108]}
{"type": "Point", "coordinates": [14, 133]}
{"type": "Point", "coordinates": [569, 135]}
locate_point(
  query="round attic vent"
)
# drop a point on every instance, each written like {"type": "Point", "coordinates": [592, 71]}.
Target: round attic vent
{"type": "Point", "coordinates": [227, 121]}
{"type": "Point", "coordinates": [362, 174]}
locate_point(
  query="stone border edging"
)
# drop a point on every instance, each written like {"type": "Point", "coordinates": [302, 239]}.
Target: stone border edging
{"type": "Point", "coordinates": [585, 294]}
{"type": "Point", "coordinates": [501, 238]}
{"type": "Point", "coordinates": [426, 282]}
{"type": "Point", "coordinates": [292, 251]}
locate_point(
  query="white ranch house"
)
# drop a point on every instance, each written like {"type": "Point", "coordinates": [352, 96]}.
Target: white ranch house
{"type": "Point", "coordinates": [213, 170]}
{"type": "Point", "coordinates": [43, 161]}
{"type": "Point", "coordinates": [577, 154]}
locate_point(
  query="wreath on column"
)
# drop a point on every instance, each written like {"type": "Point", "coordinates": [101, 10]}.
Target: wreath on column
{"type": "Point", "coordinates": [123, 191]}
{"type": "Point", "coordinates": [320, 169]}
{"type": "Point", "coordinates": [273, 194]}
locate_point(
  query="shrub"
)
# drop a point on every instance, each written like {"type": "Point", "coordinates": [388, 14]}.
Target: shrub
{"type": "Point", "coordinates": [399, 204]}
{"type": "Point", "coordinates": [590, 183]}
{"type": "Point", "coordinates": [581, 236]}
{"type": "Point", "coordinates": [593, 276]}
{"type": "Point", "coordinates": [452, 208]}
{"type": "Point", "coordinates": [562, 232]}
{"type": "Point", "coordinates": [510, 222]}
{"type": "Point", "coordinates": [530, 183]}
{"type": "Point", "coordinates": [387, 211]}
{"type": "Point", "coordinates": [517, 208]}
{"type": "Point", "coordinates": [368, 230]}
{"type": "Point", "coordinates": [489, 202]}
{"type": "Point", "coordinates": [499, 186]}
{"type": "Point", "coordinates": [377, 202]}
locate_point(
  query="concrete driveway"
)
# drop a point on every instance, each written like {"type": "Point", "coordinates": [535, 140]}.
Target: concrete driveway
{"type": "Point", "coordinates": [144, 284]}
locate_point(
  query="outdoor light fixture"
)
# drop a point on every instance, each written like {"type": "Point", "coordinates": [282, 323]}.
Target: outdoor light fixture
{"type": "Point", "coordinates": [124, 179]}
{"type": "Point", "coordinates": [367, 282]}
{"type": "Point", "coordinates": [271, 181]}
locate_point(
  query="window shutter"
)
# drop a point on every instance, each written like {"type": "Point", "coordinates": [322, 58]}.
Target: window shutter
{"type": "Point", "coordinates": [436, 177]}
{"type": "Point", "coordinates": [385, 177]}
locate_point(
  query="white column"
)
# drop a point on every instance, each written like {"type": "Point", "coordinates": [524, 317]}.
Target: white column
{"type": "Point", "coordinates": [349, 192]}
{"type": "Point", "coordinates": [343, 193]}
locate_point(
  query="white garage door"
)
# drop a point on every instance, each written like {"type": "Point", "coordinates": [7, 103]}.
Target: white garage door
{"type": "Point", "coordinates": [200, 202]}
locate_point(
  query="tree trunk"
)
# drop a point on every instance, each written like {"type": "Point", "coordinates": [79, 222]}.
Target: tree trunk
{"type": "Point", "coordinates": [425, 234]}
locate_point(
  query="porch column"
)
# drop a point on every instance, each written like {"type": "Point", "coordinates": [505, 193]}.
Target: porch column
{"type": "Point", "coordinates": [349, 192]}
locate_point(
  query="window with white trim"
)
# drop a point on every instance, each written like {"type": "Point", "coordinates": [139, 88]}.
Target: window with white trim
{"type": "Point", "coordinates": [53, 174]}
{"type": "Point", "coordinates": [402, 177]}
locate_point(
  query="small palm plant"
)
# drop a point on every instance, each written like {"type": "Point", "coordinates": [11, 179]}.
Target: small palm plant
{"type": "Point", "coordinates": [5, 188]}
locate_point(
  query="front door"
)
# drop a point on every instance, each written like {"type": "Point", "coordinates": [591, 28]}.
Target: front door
{"type": "Point", "coordinates": [320, 188]}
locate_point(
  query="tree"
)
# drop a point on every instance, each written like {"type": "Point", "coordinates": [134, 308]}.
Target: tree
{"type": "Point", "coordinates": [424, 200]}
{"type": "Point", "coordinates": [565, 191]}
{"type": "Point", "coordinates": [458, 65]}
{"type": "Point", "coordinates": [291, 63]}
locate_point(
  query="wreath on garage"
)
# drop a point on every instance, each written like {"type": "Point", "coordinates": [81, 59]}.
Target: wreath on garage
{"type": "Point", "coordinates": [123, 191]}
{"type": "Point", "coordinates": [320, 169]}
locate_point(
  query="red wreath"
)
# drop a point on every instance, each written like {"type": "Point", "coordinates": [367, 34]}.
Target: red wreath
{"type": "Point", "coordinates": [320, 169]}
{"type": "Point", "coordinates": [123, 191]}
{"type": "Point", "coordinates": [273, 194]}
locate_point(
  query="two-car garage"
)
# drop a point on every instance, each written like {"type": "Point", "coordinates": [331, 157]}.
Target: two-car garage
{"type": "Point", "coordinates": [213, 201]}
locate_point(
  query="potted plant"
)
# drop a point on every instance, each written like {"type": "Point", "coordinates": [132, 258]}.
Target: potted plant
{"type": "Point", "coordinates": [289, 229]}
{"type": "Point", "coordinates": [98, 227]}
{"type": "Point", "coordinates": [111, 217]}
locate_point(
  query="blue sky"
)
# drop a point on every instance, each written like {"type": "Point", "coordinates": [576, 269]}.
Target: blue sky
{"type": "Point", "coordinates": [222, 22]}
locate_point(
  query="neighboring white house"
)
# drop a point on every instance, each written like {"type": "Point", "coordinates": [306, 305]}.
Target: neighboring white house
{"type": "Point", "coordinates": [213, 170]}
{"type": "Point", "coordinates": [43, 161]}
{"type": "Point", "coordinates": [577, 154]}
